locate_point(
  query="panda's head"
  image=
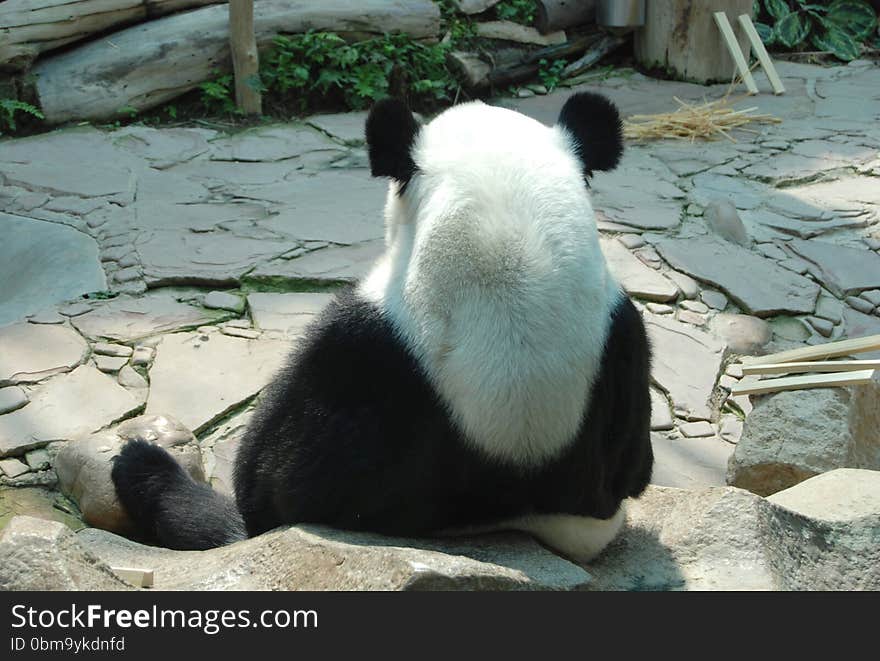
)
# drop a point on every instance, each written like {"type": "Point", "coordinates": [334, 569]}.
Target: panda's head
{"type": "Point", "coordinates": [479, 154]}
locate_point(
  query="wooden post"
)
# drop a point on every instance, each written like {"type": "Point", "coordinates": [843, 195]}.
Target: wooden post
{"type": "Point", "coordinates": [245, 58]}
{"type": "Point", "coordinates": [680, 37]}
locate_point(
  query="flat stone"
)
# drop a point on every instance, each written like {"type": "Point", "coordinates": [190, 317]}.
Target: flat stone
{"type": "Point", "coordinates": [220, 300]}
{"type": "Point", "coordinates": [46, 317]}
{"type": "Point", "coordinates": [731, 429]}
{"type": "Point", "coordinates": [693, 318]}
{"type": "Point", "coordinates": [13, 467]}
{"type": "Point", "coordinates": [790, 328]}
{"type": "Point", "coordinates": [319, 558]}
{"type": "Point", "coordinates": [860, 304]}
{"type": "Point", "coordinates": [270, 143]}
{"type": "Point", "coordinates": [727, 382]}
{"type": "Point", "coordinates": [695, 306]}
{"type": "Point", "coordinates": [660, 308]}
{"type": "Point", "coordinates": [714, 299]}
{"type": "Point", "coordinates": [796, 265]}
{"type": "Point", "coordinates": [110, 364]}
{"type": "Point", "coordinates": [685, 283]}
{"type": "Point", "coordinates": [845, 495]}
{"type": "Point", "coordinates": [698, 429]}
{"type": "Point", "coordinates": [84, 466]}
{"type": "Point", "coordinates": [755, 283]}
{"type": "Point", "coordinates": [661, 418]}
{"type": "Point", "coordinates": [56, 411]}
{"type": "Point", "coordinates": [109, 349]}
{"type": "Point", "coordinates": [142, 356]}
{"type": "Point", "coordinates": [637, 279]}
{"type": "Point", "coordinates": [689, 463]}
{"type": "Point", "coordinates": [772, 251]}
{"type": "Point", "coordinates": [686, 362]}
{"type": "Point", "coordinates": [741, 333]}
{"type": "Point", "coordinates": [861, 325]}
{"type": "Point", "coordinates": [127, 319]}
{"type": "Point", "coordinates": [792, 436]}
{"type": "Point", "coordinates": [631, 241]}
{"type": "Point", "coordinates": [131, 379]}
{"type": "Point", "coordinates": [32, 353]}
{"type": "Point", "coordinates": [744, 194]}
{"type": "Point", "coordinates": [247, 333]}
{"type": "Point", "coordinates": [173, 257]}
{"type": "Point", "coordinates": [44, 263]}
{"type": "Point", "coordinates": [162, 147]}
{"type": "Point", "coordinates": [345, 126]}
{"type": "Point", "coordinates": [872, 296]}
{"type": "Point", "coordinates": [289, 313]}
{"type": "Point", "coordinates": [334, 264]}
{"type": "Point", "coordinates": [841, 269]}
{"type": "Point", "coordinates": [824, 327]}
{"type": "Point", "coordinates": [75, 309]}
{"type": "Point", "coordinates": [828, 307]}
{"type": "Point", "coordinates": [198, 378]}
{"type": "Point", "coordinates": [12, 398]}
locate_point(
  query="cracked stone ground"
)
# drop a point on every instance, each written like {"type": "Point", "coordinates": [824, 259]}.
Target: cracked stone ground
{"type": "Point", "coordinates": [212, 252]}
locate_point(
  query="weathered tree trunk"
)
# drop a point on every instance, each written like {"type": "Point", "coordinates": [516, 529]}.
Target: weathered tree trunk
{"type": "Point", "coordinates": [562, 14]}
{"type": "Point", "coordinates": [31, 27]}
{"type": "Point", "coordinates": [245, 59]}
{"type": "Point", "coordinates": [681, 37]}
{"type": "Point", "coordinates": [148, 64]}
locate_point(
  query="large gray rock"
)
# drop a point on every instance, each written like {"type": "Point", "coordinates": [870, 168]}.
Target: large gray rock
{"type": "Point", "coordinates": [820, 535]}
{"type": "Point", "coordinates": [68, 407]}
{"type": "Point", "coordinates": [841, 269]}
{"type": "Point", "coordinates": [755, 283]}
{"type": "Point", "coordinates": [33, 352]}
{"type": "Point", "coordinates": [792, 436]}
{"type": "Point", "coordinates": [45, 555]}
{"type": "Point", "coordinates": [44, 263]}
{"type": "Point", "coordinates": [741, 333]}
{"type": "Point", "coordinates": [721, 217]}
{"type": "Point", "coordinates": [197, 378]}
{"type": "Point", "coordinates": [318, 558]}
{"type": "Point", "coordinates": [685, 363]}
{"type": "Point", "coordinates": [636, 279]}
{"type": "Point", "coordinates": [84, 466]}
{"type": "Point", "coordinates": [689, 463]}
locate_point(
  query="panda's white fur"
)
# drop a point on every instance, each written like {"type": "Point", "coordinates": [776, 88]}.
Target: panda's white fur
{"type": "Point", "coordinates": [495, 278]}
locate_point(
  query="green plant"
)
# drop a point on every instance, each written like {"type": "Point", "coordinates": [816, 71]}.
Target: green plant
{"type": "Point", "coordinates": [550, 73]}
{"type": "Point", "coordinates": [218, 95]}
{"type": "Point", "coordinates": [839, 27]}
{"type": "Point", "coordinates": [518, 11]}
{"type": "Point", "coordinates": [311, 68]}
{"type": "Point", "coordinates": [8, 108]}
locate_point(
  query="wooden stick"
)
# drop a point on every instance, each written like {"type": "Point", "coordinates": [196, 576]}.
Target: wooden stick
{"type": "Point", "coordinates": [803, 382]}
{"type": "Point", "coordinates": [141, 578]}
{"type": "Point", "coordinates": [245, 59]}
{"type": "Point", "coordinates": [735, 52]}
{"type": "Point", "coordinates": [827, 350]}
{"type": "Point", "coordinates": [761, 53]}
{"type": "Point", "coordinates": [816, 366]}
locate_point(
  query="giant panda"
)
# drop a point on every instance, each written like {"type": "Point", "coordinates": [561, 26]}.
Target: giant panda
{"type": "Point", "coordinates": [488, 372]}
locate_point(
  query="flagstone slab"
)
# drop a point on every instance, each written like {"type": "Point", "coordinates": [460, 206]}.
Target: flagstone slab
{"type": "Point", "coordinates": [757, 284]}
{"type": "Point", "coordinates": [33, 352]}
{"type": "Point", "coordinates": [66, 408]}
{"type": "Point", "coordinates": [289, 313]}
{"type": "Point", "coordinates": [126, 319]}
{"type": "Point", "coordinates": [635, 277]}
{"type": "Point", "coordinates": [841, 269]}
{"type": "Point", "coordinates": [332, 264]}
{"type": "Point", "coordinates": [44, 263]}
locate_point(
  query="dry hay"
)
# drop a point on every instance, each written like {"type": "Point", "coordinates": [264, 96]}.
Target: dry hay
{"type": "Point", "coordinates": [706, 121]}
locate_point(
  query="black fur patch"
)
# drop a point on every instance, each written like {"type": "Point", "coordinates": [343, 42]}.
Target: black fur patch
{"type": "Point", "coordinates": [167, 506]}
{"type": "Point", "coordinates": [391, 130]}
{"type": "Point", "coordinates": [594, 123]}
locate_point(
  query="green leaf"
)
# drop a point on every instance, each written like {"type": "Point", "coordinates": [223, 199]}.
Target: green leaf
{"type": "Point", "coordinates": [765, 32]}
{"type": "Point", "coordinates": [778, 9]}
{"type": "Point", "coordinates": [854, 16]}
{"type": "Point", "coordinates": [791, 30]}
{"type": "Point", "coordinates": [838, 42]}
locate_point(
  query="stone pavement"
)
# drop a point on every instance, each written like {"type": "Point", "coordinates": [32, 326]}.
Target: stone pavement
{"type": "Point", "coordinates": [169, 270]}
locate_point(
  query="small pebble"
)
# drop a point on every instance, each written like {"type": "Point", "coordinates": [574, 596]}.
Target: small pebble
{"type": "Point", "coordinates": [110, 364]}
{"type": "Point", "coordinates": [735, 370]}
{"type": "Point", "coordinates": [714, 299]}
{"type": "Point", "coordinates": [691, 318]}
{"type": "Point", "coordinates": [109, 349]}
{"type": "Point", "coordinates": [221, 300]}
{"type": "Point", "coordinates": [695, 306]}
{"type": "Point", "coordinates": [699, 429]}
{"type": "Point", "coordinates": [727, 382]}
{"type": "Point", "coordinates": [75, 309]}
{"type": "Point", "coordinates": [46, 317]}
{"type": "Point", "coordinates": [731, 429]}
{"type": "Point", "coordinates": [873, 244]}
{"type": "Point", "coordinates": [13, 467]}
{"type": "Point", "coordinates": [142, 356]}
{"type": "Point", "coordinates": [660, 308]}
{"type": "Point", "coordinates": [37, 460]}
{"type": "Point", "coordinates": [686, 284]}
{"type": "Point", "coordinates": [872, 296]}
{"type": "Point", "coordinates": [631, 241]}
{"type": "Point", "coordinates": [234, 331]}
{"type": "Point", "coordinates": [822, 326]}
{"type": "Point", "coordinates": [859, 304]}
{"type": "Point", "coordinates": [12, 399]}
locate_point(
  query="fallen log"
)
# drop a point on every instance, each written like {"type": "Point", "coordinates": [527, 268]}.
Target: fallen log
{"type": "Point", "coordinates": [528, 67]}
{"type": "Point", "coordinates": [31, 27]}
{"type": "Point", "coordinates": [143, 66]}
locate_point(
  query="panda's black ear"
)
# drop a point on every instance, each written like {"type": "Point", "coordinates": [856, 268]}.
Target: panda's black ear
{"type": "Point", "coordinates": [594, 123]}
{"type": "Point", "coordinates": [391, 132]}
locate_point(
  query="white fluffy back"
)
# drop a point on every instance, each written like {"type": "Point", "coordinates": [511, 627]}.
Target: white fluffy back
{"type": "Point", "coordinates": [495, 279]}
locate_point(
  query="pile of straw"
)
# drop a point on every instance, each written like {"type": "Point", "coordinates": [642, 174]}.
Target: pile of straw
{"type": "Point", "coordinates": [706, 121]}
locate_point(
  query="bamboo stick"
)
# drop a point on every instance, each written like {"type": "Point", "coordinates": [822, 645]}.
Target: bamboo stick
{"type": "Point", "coordinates": [811, 366]}
{"type": "Point", "coordinates": [803, 382]}
{"type": "Point", "coordinates": [827, 350]}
